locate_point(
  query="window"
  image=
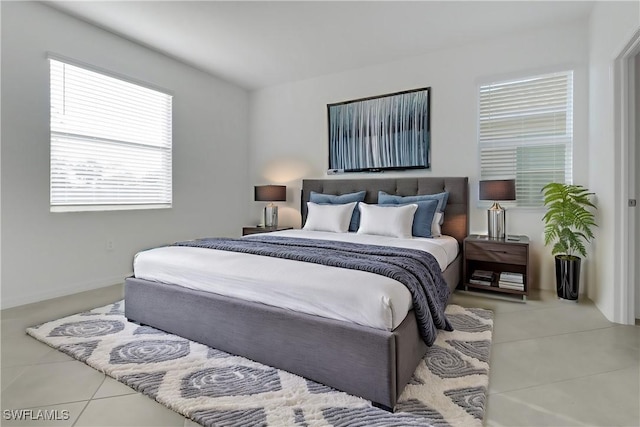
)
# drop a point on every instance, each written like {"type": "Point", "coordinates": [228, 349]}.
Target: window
{"type": "Point", "coordinates": [526, 133]}
{"type": "Point", "coordinates": [110, 142]}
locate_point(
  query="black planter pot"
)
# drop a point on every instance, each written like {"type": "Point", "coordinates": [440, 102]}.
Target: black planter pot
{"type": "Point", "coordinates": [568, 277]}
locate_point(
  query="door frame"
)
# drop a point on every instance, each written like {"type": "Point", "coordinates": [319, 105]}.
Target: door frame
{"type": "Point", "coordinates": [624, 131]}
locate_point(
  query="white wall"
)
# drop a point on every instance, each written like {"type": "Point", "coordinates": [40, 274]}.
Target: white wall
{"type": "Point", "coordinates": [636, 194]}
{"type": "Point", "coordinates": [289, 128]}
{"type": "Point", "coordinates": [611, 26]}
{"type": "Point", "coordinates": [52, 254]}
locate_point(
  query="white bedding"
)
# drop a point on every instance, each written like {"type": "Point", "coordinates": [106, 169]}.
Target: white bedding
{"type": "Point", "coordinates": [355, 296]}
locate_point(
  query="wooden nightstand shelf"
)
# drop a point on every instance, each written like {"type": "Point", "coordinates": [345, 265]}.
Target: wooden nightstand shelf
{"type": "Point", "coordinates": [255, 230]}
{"type": "Point", "coordinates": [496, 255]}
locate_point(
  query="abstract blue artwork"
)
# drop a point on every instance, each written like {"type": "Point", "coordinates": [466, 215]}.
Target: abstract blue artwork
{"type": "Point", "coordinates": [383, 132]}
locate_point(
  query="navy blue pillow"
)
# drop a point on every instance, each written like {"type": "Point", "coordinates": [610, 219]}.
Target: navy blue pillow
{"type": "Point", "coordinates": [423, 217]}
{"type": "Point", "coordinates": [442, 198]}
{"type": "Point", "coordinates": [332, 199]}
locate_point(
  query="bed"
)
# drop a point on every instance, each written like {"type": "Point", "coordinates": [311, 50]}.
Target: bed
{"type": "Point", "coordinates": [365, 361]}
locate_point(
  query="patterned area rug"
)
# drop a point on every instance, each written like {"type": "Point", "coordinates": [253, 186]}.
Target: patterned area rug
{"type": "Point", "coordinates": [214, 388]}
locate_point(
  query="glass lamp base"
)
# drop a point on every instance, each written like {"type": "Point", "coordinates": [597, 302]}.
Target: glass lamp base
{"type": "Point", "coordinates": [496, 222]}
{"type": "Point", "coordinates": [270, 216]}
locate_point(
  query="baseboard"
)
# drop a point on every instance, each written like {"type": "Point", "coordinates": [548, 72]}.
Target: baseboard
{"type": "Point", "coordinates": [10, 302]}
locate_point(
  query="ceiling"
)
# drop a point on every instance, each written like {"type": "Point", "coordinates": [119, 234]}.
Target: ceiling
{"type": "Point", "coordinates": [256, 44]}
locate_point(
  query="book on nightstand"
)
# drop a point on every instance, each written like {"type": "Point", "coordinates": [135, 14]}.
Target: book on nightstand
{"type": "Point", "coordinates": [514, 281]}
{"type": "Point", "coordinates": [479, 282]}
{"type": "Point", "coordinates": [504, 285]}
{"type": "Point", "coordinates": [482, 277]}
{"type": "Point", "coordinates": [515, 278]}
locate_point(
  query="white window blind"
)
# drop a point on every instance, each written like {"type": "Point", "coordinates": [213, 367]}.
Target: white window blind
{"type": "Point", "coordinates": [110, 142]}
{"type": "Point", "coordinates": [526, 133]}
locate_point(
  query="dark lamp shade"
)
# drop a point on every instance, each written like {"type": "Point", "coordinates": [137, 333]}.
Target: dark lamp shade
{"type": "Point", "coordinates": [270, 193]}
{"type": "Point", "coordinates": [500, 189]}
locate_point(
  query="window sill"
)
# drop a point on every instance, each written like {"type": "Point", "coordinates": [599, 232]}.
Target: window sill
{"type": "Point", "coordinates": [100, 208]}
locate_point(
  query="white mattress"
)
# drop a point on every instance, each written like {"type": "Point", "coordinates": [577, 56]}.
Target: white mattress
{"type": "Point", "coordinates": [355, 296]}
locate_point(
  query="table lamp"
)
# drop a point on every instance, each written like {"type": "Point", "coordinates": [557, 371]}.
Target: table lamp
{"type": "Point", "coordinates": [270, 193]}
{"type": "Point", "coordinates": [497, 190]}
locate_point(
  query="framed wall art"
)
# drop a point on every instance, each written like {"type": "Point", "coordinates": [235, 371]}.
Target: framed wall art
{"type": "Point", "coordinates": [386, 132]}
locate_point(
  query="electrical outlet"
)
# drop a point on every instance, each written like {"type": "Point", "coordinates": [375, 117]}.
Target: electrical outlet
{"type": "Point", "coordinates": [109, 244]}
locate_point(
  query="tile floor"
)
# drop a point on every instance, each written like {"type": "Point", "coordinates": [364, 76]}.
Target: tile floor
{"type": "Point", "coordinates": [553, 363]}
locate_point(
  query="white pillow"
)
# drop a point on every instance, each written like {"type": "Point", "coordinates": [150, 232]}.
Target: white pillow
{"type": "Point", "coordinates": [334, 218]}
{"type": "Point", "coordinates": [387, 220]}
{"type": "Point", "coordinates": [435, 224]}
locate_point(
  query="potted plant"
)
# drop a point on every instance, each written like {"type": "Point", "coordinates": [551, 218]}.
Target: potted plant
{"type": "Point", "coordinates": [568, 226]}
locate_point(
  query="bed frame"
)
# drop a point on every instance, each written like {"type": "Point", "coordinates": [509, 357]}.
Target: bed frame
{"type": "Point", "coordinates": [367, 362]}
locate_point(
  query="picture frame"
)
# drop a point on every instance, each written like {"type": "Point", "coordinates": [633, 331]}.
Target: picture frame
{"type": "Point", "coordinates": [384, 132]}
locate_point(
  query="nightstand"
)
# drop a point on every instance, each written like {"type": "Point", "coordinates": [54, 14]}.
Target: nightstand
{"type": "Point", "coordinates": [510, 255]}
{"type": "Point", "coordinates": [256, 230]}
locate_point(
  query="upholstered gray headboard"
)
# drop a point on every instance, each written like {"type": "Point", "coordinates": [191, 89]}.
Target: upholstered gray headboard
{"type": "Point", "coordinates": [456, 214]}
